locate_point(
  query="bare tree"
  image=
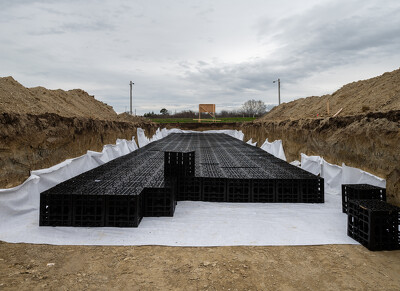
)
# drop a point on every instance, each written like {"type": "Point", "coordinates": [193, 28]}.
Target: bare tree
{"type": "Point", "coordinates": [254, 108]}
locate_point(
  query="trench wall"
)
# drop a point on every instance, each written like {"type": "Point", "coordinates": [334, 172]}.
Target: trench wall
{"type": "Point", "coordinates": [30, 142]}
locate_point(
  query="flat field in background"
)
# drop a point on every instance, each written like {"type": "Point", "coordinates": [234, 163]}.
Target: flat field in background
{"type": "Point", "coordinates": [191, 120]}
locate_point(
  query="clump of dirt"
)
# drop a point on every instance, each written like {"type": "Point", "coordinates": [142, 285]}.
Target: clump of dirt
{"type": "Point", "coordinates": [379, 94]}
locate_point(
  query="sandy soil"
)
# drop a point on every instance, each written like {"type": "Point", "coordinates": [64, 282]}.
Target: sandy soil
{"type": "Point", "coordinates": [330, 267]}
{"type": "Point", "coordinates": [379, 94]}
{"type": "Point", "coordinates": [15, 98]}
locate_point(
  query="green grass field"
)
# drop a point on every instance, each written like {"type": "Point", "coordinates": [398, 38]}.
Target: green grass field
{"type": "Point", "coordinates": [190, 120]}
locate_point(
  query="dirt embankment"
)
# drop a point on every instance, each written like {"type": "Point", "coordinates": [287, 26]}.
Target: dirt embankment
{"type": "Point", "coordinates": [29, 142]}
{"type": "Point", "coordinates": [15, 98]}
{"type": "Point", "coordinates": [379, 94]}
{"type": "Point", "coordinates": [40, 128]}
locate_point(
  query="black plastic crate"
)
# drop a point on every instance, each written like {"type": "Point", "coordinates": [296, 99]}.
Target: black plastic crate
{"type": "Point", "coordinates": [214, 189]}
{"type": "Point", "coordinates": [238, 190]}
{"type": "Point", "coordinates": [263, 190]}
{"type": "Point", "coordinates": [179, 164]}
{"type": "Point", "coordinates": [374, 224]}
{"type": "Point", "coordinates": [312, 190]}
{"type": "Point", "coordinates": [88, 210]}
{"type": "Point", "coordinates": [189, 188]}
{"type": "Point", "coordinates": [361, 191]}
{"type": "Point", "coordinates": [123, 210]}
{"type": "Point", "coordinates": [287, 190]}
{"type": "Point", "coordinates": [55, 209]}
{"type": "Point", "coordinates": [158, 202]}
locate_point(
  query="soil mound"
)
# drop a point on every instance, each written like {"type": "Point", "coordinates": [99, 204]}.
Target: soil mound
{"type": "Point", "coordinates": [378, 94]}
{"type": "Point", "coordinates": [15, 98]}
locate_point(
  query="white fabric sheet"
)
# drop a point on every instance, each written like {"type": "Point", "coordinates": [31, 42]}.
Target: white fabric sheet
{"type": "Point", "coordinates": [275, 148]}
{"type": "Point", "coordinates": [356, 176]}
{"type": "Point", "coordinates": [311, 164]}
{"type": "Point", "coordinates": [332, 175]}
{"type": "Point", "coordinates": [250, 142]}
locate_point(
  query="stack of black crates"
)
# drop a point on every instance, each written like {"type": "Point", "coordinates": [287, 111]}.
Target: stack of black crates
{"type": "Point", "coordinates": [360, 192]}
{"type": "Point", "coordinates": [371, 221]}
{"type": "Point", "coordinates": [195, 166]}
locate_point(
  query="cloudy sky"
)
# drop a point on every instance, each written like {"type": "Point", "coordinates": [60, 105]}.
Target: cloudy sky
{"type": "Point", "coordinates": [182, 53]}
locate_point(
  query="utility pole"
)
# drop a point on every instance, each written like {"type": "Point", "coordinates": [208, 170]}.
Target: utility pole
{"type": "Point", "coordinates": [130, 84]}
{"type": "Point", "coordinates": [279, 90]}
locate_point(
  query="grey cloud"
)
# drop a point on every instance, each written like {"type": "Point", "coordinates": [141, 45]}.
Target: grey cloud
{"type": "Point", "coordinates": [312, 42]}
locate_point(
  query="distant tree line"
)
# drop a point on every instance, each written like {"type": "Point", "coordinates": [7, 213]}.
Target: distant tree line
{"type": "Point", "coordinates": [250, 108]}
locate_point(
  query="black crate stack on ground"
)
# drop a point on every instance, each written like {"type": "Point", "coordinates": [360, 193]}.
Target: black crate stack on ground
{"type": "Point", "coordinates": [195, 166]}
{"type": "Point", "coordinates": [179, 164]}
{"type": "Point", "coordinates": [361, 192]}
{"type": "Point", "coordinates": [374, 224]}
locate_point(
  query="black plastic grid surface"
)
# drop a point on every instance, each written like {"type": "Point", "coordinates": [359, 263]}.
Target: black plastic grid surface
{"type": "Point", "coordinates": [238, 190]}
{"type": "Point", "coordinates": [55, 210]}
{"type": "Point", "coordinates": [263, 190]}
{"type": "Point", "coordinates": [189, 188]}
{"type": "Point", "coordinates": [179, 164]}
{"type": "Point", "coordinates": [287, 190]}
{"type": "Point", "coordinates": [214, 189]}
{"type": "Point", "coordinates": [158, 202]}
{"type": "Point", "coordinates": [123, 211]}
{"type": "Point", "coordinates": [312, 190]}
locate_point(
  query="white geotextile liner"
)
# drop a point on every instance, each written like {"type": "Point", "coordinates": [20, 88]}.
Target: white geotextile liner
{"type": "Point", "coordinates": [200, 224]}
{"type": "Point", "coordinates": [275, 148]}
{"type": "Point", "coordinates": [193, 224]}
{"type": "Point", "coordinates": [334, 175]}
{"type": "Point", "coordinates": [250, 142]}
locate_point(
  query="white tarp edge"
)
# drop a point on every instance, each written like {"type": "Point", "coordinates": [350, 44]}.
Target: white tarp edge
{"type": "Point", "coordinates": [295, 163]}
{"type": "Point", "coordinates": [142, 139]}
{"type": "Point", "coordinates": [334, 175]}
{"type": "Point", "coordinates": [274, 148]}
{"type": "Point", "coordinates": [356, 176]}
{"type": "Point", "coordinates": [250, 142]}
{"type": "Point", "coordinates": [311, 164]}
